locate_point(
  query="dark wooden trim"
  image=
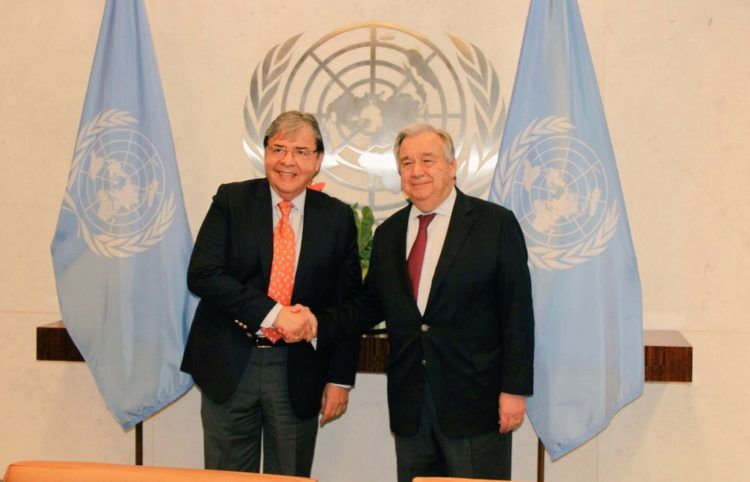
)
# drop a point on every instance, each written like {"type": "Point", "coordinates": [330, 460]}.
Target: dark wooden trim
{"type": "Point", "coordinates": [373, 353]}
{"type": "Point", "coordinates": [54, 343]}
{"type": "Point", "coordinates": [668, 355]}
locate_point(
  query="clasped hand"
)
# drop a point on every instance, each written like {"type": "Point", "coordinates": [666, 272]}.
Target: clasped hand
{"type": "Point", "coordinates": [296, 323]}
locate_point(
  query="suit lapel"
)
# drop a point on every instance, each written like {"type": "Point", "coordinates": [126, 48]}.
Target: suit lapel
{"type": "Point", "coordinates": [462, 220]}
{"type": "Point", "coordinates": [262, 218]}
{"type": "Point", "coordinates": [313, 223]}
{"type": "Point", "coordinates": [402, 273]}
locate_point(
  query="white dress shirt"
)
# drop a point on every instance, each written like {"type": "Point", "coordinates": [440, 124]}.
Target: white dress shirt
{"type": "Point", "coordinates": [436, 232]}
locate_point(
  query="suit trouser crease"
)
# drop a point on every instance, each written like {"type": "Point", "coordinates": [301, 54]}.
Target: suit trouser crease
{"type": "Point", "coordinates": [259, 414]}
{"type": "Point", "coordinates": [430, 453]}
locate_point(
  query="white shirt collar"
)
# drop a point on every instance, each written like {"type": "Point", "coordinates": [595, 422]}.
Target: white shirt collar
{"type": "Point", "coordinates": [444, 209]}
{"type": "Point", "coordinates": [298, 202]}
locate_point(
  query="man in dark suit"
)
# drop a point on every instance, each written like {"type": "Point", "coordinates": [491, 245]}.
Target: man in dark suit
{"type": "Point", "coordinates": [264, 244]}
{"type": "Point", "coordinates": [448, 274]}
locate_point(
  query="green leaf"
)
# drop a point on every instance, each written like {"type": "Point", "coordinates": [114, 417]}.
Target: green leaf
{"type": "Point", "coordinates": [365, 221]}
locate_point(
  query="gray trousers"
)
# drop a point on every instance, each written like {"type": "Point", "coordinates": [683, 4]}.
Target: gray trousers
{"type": "Point", "coordinates": [259, 409]}
{"type": "Point", "coordinates": [430, 453]}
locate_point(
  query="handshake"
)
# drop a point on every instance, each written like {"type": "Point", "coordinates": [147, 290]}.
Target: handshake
{"type": "Point", "coordinates": [296, 323]}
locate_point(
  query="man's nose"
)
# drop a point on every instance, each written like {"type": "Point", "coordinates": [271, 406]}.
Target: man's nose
{"type": "Point", "coordinates": [417, 169]}
{"type": "Point", "coordinates": [288, 157]}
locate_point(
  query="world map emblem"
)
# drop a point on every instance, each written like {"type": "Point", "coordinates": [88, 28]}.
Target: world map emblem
{"type": "Point", "coordinates": [364, 83]}
{"type": "Point", "coordinates": [117, 187]}
{"type": "Point", "coordinates": [558, 187]}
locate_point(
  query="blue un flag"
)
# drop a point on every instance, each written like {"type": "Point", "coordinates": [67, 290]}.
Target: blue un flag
{"type": "Point", "coordinates": [122, 242]}
{"type": "Point", "coordinates": [556, 170]}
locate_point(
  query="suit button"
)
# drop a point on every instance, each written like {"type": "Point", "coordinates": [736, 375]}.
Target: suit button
{"type": "Point", "coordinates": [424, 363]}
{"type": "Point", "coordinates": [425, 327]}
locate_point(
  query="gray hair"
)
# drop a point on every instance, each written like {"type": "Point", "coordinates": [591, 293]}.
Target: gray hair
{"type": "Point", "coordinates": [414, 129]}
{"type": "Point", "coordinates": [291, 121]}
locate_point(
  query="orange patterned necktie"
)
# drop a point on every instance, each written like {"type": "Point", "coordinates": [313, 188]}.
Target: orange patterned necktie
{"type": "Point", "coordinates": [282, 267]}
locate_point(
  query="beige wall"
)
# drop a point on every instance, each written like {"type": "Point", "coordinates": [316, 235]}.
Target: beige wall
{"type": "Point", "coordinates": [674, 76]}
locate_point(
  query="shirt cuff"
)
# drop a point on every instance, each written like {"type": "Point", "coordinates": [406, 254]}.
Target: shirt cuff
{"type": "Point", "coordinates": [342, 385]}
{"type": "Point", "coordinates": [271, 316]}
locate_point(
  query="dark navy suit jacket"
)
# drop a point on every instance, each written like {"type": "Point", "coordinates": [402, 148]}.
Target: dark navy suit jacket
{"type": "Point", "coordinates": [230, 270]}
{"type": "Point", "coordinates": [476, 337]}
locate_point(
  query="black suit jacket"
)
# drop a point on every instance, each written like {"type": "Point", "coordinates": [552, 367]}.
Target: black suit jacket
{"type": "Point", "coordinates": [476, 337]}
{"type": "Point", "coordinates": [230, 270]}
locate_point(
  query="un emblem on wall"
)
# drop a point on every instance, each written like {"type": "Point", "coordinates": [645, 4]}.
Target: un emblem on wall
{"type": "Point", "coordinates": [364, 83]}
{"type": "Point", "coordinates": [559, 184]}
{"type": "Point", "coordinates": [117, 187]}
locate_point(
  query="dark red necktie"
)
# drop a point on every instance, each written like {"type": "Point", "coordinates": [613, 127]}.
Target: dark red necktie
{"type": "Point", "coordinates": [416, 255]}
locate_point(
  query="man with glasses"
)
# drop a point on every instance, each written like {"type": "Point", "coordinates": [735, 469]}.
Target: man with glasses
{"type": "Point", "coordinates": [266, 244]}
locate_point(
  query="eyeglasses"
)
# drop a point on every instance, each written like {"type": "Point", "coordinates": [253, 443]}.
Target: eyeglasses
{"type": "Point", "coordinates": [298, 153]}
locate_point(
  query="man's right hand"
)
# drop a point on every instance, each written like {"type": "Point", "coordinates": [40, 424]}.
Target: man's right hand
{"type": "Point", "coordinates": [296, 323]}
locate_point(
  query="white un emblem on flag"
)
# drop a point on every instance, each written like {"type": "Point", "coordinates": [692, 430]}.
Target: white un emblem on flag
{"type": "Point", "coordinates": [117, 187]}
{"type": "Point", "coordinates": [557, 185]}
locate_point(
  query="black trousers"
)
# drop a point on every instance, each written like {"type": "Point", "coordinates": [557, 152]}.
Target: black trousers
{"type": "Point", "coordinates": [259, 409]}
{"type": "Point", "coordinates": [430, 453]}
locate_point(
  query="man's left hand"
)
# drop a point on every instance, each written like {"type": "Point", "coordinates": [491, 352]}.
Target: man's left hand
{"type": "Point", "coordinates": [512, 409]}
{"type": "Point", "coordinates": [333, 404]}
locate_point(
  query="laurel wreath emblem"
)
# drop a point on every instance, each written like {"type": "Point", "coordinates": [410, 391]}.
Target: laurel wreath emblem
{"type": "Point", "coordinates": [489, 113]}
{"type": "Point", "coordinates": [264, 84]}
{"type": "Point", "coordinates": [546, 257]}
{"type": "Point", "coordinates": [551, 258]}
{"type": "Point", "coordinates": [106, 244]}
